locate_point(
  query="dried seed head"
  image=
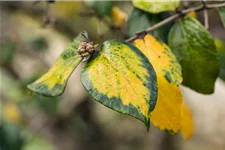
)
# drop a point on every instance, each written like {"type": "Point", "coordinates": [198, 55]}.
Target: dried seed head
{"type": "Point", "coordinates": [85, 49]}
{"type": "Point", "coordinates": [86, 54]}
{"type": "Point", "coordinates": [81, 47]}
{"type": "Point", "coordinates": [95, 46]}
{"type": "Point", "coordinates": [83, 44]}
{"type": "Point", "coordinates": [89, 46]}
{"type": "Point", "coordinates": [90, 51]}
{"type": "Point", "coordinates": [81, 50]}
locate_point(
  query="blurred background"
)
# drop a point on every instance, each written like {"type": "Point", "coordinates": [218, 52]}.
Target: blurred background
{"type": "Point", "coordinates": [33, 35]}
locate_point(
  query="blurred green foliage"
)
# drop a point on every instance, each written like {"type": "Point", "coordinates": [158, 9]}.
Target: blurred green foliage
{"type": "Point", "coordinates": [11, 137]}
{"type": "Point", "coordinates": [220, 45]}
{"type": "Point", "coordinates": [38, 143]}
{"type": "Point", "coordinates": [40, 44]}
{"type": "Point", "coordinates": [7, 52]}
{"type": "Point", "coordinates": [16, 93]}
{"type": "Point", "coordinates": [101, 7]}
{"type": "Point", "coordinates": [140, 20]}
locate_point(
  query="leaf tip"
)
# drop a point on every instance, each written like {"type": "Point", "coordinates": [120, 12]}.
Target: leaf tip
{"type": "Point", "coordinates": [147, 124]}
{"type": "Point", "coordinates": [42, 89]}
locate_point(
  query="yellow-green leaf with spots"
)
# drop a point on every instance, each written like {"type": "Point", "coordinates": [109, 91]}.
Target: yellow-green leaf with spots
{"type": "Point", "coordinates": [54, 81]}
{"type": "Point", "coordinates": [122, 78]}
{"type": "Point", "coordinates": [167, 114]}
{"type": "Point", "coordinates": [156, 6]}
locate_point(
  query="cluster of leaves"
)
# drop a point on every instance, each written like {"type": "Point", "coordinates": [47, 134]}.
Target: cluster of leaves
{"type": "Point", "coordinates": [142, 79]}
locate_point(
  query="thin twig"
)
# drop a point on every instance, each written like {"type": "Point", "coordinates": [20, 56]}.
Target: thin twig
{"type": "Point", "coordinates": [215, 5]}
{"type": "Point", "coordinates": [48, 19]}
{"type": "Point", "coordinates": [206, 17]}
{"type": "Point", "coordinates": [36, 2]}
{"type": "Point", "coordinates": [174, 17]}
{"type": "Point", "coordinates": [203, 2]}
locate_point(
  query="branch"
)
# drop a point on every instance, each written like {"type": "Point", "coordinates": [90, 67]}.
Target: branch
{"type": "Point", "coordinates": [206, 17]}
{"type": "Point", "coordinates": [179, 14]}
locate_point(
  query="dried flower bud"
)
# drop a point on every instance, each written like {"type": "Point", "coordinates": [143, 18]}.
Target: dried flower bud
{"type": "Point", "coordinates": [89, 46]}
{"type": "Point", "coordinates": [83, 44]}
{"type": "Point", "coordinates": [95, 46]}
{"type": "Point", "coordinates": [91, 50]}
{"type": "Point", "coordinates": [81, 50]}
{"type": "Point", "coordinates": [85, 49]}
{"type": "Point", "coordinates": [86, 54]}
{"type": "Point", "coordinates": [80, 47]}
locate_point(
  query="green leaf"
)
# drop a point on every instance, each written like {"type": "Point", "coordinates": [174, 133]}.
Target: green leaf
{"type": "Point", "coordinates": [121, 78]}
{"type": "Point", "coordinates": [48, 104]}
{"type": "Point", "coordinates": [7, 52]}
{"type": "Point", "coordinates": [220, 46]}
{"type": "Point", "coordinates": [222, 15]}
{"type": "Point", "coordinates": [140, 20]}
{"type": "Point", "coordinates": [101, 7]}
{"type": "Point", "coordinates": [10, 136]}
{"type": "Point", "coordinates": [195, 49]}
{"type": "Point", "coordinates": [154, 6]}
{"type": "Point", "coordinates": [54, 81]}
{"type": "Point", "coordinates": [39, 44]}
{"type": "Point", "coordinates": [8, 83]}
{"type": "Point", "coordinates": [38, 143]}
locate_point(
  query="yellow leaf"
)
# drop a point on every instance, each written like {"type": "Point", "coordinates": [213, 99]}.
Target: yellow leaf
{"type": "Point", "coordinates": [119, 17]}
{"type": "Point", "coordinates": [121, 78]}
{"type": "Point", "coordinates": [54, 81]}
{"type": "Point", "coordinates": [167, 114]}
{"type": "Point", "coordinates": [156, 6]}
{"type": "Point", "coordinates": [220, 45]}
{"type": "Point", "coordinates": [11, 113]}
{"type": "Point", "coordinates": [192, 14]}
{"type": "Point", "coordinates": [187, 123]}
